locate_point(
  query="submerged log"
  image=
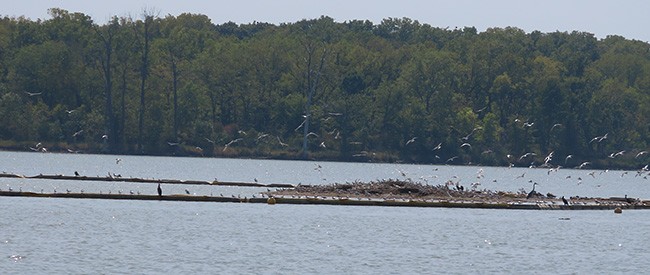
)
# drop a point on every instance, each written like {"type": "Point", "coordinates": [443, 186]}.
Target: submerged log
{"type": "Point", "coordinates": [146, 180]}
{"type": "Point", "coordinates": [335, 201]}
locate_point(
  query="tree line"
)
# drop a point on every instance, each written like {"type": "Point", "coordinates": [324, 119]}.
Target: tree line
{"type": "Point", "coordinates": [398, 90]}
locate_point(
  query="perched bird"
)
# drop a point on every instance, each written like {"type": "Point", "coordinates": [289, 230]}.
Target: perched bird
{"type": "Point", "coordinates": [532, 193]}
{"type": "Point", "coordinates": [159, 191]}
{"type": "Point", "coordinates": [565, 201]}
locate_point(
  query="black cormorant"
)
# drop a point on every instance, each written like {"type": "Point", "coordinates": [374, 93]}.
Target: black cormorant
{"type": "Point", "coordinates": [159, 190]}
{"type": "Point", "coordinates": [565, 201]}
{"type": "Point", "coordinates": [532, 192]}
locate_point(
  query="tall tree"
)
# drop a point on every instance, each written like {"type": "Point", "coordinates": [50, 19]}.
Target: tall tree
{"type": "Point", "coordinates": [106, 35]}
{"type": "Point", "coordinates": [144, 38]}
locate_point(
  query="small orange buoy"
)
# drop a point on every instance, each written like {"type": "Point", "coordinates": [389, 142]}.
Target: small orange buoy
{"type": "Point", "coordinates": [271, 200]}
{"type": "Point", "coordinates": [618, 210]}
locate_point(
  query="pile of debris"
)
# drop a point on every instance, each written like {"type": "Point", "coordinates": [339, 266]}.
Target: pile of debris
{"type": "Point", "coordinates": [395, 189]}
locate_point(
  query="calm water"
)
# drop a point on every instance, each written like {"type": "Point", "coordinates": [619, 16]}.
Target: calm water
{"type": "Point", "coordinates": [78, 236]}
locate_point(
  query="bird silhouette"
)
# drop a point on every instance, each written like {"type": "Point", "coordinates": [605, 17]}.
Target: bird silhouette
{"type": "Point", "coordinates": [411, 140]}
{"type": "Point", "coordinates": [565, 201]}
{"type": "Point", "coordinates": [282, 143]}
{"type": "Point", "coordinates": [438, 146]}
{"type": "Point", "coordinates": [599, 138]}
{"type": "Point", "coordinates": [225, 147]}
{"type": "Point", "coordinates": [616, 154]}
{"type": "Point", "coordinates": [527, 155]}
{"type": "Point", "coordinates": [452, 159]}
{"type": "Point", "coordinates": [159, 191]}
{"type": "Point", "coordinates": [528, 124]}
{"type": "Point", "coordinates": [532, 193]}
{"type": "Point", "coordinates": [555, 125]}
{"type": "Point", "coordinates": [567, 158]}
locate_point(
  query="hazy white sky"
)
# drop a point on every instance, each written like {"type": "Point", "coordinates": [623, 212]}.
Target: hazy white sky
{"type": "Point", "coordinates": [629, 18]}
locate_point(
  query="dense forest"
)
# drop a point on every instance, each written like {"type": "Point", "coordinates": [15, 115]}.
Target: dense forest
{"type": "Point", "coordinates": [396, 91]}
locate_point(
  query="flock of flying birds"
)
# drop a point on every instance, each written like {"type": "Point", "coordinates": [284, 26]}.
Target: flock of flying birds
{"type": "Point", "coordinates": [465, 143]}
{"type": "Point", "coordinates": [553, 166]}
{"type": "Point", "coordinates": [548, 161]}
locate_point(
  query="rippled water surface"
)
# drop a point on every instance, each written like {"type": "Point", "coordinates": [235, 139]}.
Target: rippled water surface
{"type": "Point", "coordinates": [81, 236]}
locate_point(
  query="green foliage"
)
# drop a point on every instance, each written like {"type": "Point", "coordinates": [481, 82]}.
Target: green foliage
{"type": "Point", "coordinates": [386, 92]}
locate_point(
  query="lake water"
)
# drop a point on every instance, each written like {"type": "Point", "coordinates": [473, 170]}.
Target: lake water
{"type": "Point", "coordinates": [81, 236]}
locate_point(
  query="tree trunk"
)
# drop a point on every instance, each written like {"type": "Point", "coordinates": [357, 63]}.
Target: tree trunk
{"type": "Point", "coordinates": [111, 129]}
{"type": "Point", "coordinates": [312, 85]}
{"type": "Point", "coordinates": [175, 91]}
{"type": "Point", "coordinates": [144, 73]}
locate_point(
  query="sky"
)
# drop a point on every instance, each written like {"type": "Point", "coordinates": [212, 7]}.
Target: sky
{"type": "Point", "coordinates": [627, 18]}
